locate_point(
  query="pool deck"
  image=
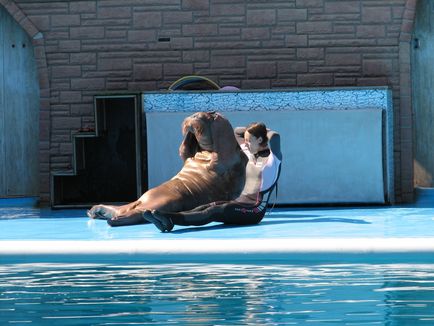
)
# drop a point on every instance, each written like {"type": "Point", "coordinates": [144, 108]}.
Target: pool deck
{"type": "Point", "coordinates": [384, 234]}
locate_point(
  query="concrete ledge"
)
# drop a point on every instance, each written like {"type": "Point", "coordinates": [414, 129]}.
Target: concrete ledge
{"type": "Point", "coordinates": [396, 250]}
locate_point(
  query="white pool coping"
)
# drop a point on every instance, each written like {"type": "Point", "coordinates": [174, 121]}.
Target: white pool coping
{"type": "Point", "coordinates": [394, 250]}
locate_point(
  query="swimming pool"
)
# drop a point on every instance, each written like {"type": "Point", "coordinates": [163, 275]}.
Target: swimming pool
{"type": "Point", "coordinates": [331, 266]}
{"type": "Point", "coordinates": [217, 294]}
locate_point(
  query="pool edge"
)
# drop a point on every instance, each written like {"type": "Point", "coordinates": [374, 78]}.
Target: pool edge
{"type": "Point", "coordinates": [290, 250]}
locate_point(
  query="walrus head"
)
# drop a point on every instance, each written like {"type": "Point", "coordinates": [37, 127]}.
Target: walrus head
{"type": "Point", "coordinates": [198, 126]}
{"type": "Point", "coordinates": [210, 131]}
{"type": "Point", "coordinates": [198, 134]}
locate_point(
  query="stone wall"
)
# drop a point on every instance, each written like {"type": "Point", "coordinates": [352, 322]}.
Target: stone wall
{"type": "Point", "coordinates": [91, 47]}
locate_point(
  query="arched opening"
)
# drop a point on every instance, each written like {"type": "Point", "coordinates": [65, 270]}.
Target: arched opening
{"type": "Point", "coordinates": [19, 111]}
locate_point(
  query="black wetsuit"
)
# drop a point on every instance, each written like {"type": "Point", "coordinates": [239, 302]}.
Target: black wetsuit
{"type": "Point", "coordinates": [262, 172]}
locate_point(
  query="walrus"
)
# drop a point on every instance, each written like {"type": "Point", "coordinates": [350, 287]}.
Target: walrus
{"type": "Point", "coordinates": [214, 169]}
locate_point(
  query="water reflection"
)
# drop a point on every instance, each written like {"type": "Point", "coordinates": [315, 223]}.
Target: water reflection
{"type": "Point", "coordinates": [201, 294]}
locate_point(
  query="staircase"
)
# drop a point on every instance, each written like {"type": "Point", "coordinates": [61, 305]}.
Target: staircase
{"type": "Point", "coordinates": [107, 162]}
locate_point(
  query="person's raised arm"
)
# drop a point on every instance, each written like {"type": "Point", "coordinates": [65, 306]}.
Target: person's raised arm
{"type": "Point", "coordinates": [274, 143]}
{"type": "Point", "coordinates": [239, 134]}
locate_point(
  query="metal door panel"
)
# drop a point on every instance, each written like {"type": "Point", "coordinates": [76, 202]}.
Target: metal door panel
{"type": "Point", "coordinates": [2, 111]}
{"type": "Point", "coordinates": [423, 95]}
{"type": "Point", "coordinates": [20, 106]}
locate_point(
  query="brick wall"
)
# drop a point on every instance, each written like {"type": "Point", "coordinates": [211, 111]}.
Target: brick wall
{"type": "Point", "coordinates": [138, 45]}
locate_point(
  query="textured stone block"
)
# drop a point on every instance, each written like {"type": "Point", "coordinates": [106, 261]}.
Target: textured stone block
{"type": "Point", "coordinates": [296, 40]}
{"type": "Point", "coordinates": [255, 84]}
{"type": "Point", "coordinates": [83, 58]}
{"type": "Point", "coordinates": [141, 36]}
{"type": "Point", "coordinates": [229, 31]}
{"type": "Point", "coordinates": [310, 53]}
{"type": "Point", "coordinates": [65, 148]}
{"type": "Point", "coordinates": [114, 12]}
{"type": "Point", "coordinates": [336, 7]}
{"type": "Point", "coordinates": [261, 70]}
{"type": "Point", "coordinates": [376, 15]}
{"type": "Point", "coordinates": [65, 71]}
{"type": "Point", "coordinates": [178, 69]}
{"type": "Point", "coordinates": [195, 4]}
{"type": "Point", "coordinates": [314, 80]}
{"type": "Point", "coordinates": [344, 29]}
{"type": "Point", "coordinates": [142, 86]}
{"type": "Point", "coordinates": [82, 6]}
{"type": "Point", "coordinates": [148, 71]}
{"type": "Point", "coordinates": [255, 33]}
{"type": "Point", "coordinates": [372, 81]}
{"type": "Point", "coordinates": [114, 64]}
{"type": "Point", "coordinates": [309, 3]}
{"type": "Point", "coordinates": [371, 31]}
{"type": "Point", "coordinates": [200, 29]}
{"type": "Point", "coordinates": [227, 9]}
{"type": "Point", "coordinates": [284, 67]}
{"type": "Point", "coordinates": [87, 32]}
{"type": "Point", "coordinates": [342, 59]}
{"type": "Point", "coordinates": [116, 85]}
{"type": "Point", "coordinates": [195, 56]}
{"type": "Point", "coordinates": [314, 27]}
{"type": "Point", "coordinates": [377, 67]}
{"type": "Point", "coordinates": [228, 61]}
{"type": "Point", "coordinates": [54, 36]}
{"type": "Point", "coordinates": [82, 109]}
{"type": "Point", "coordinates": [292, 15]}
{"type": "Point", "coordinates": [261, 17]}
{"type": "Point", "coordinates": [87, 83]}
{"type": "Point", "coordinates": [66, 122]}
{"type": "Point", "coordinates": [70, 97]}
{"type": "Point", "coordinates": [65, 20]}
{"type": "Point", "coordinates": [147, 19]}
{"type": "Point", "coordinates": [42, 22]}
{"type": "Point", "coordinates": [64, 85]}
{"type": "Point", "coordinates": [177, 17]}
{"type": "Point", "coordinates": [115, 34]}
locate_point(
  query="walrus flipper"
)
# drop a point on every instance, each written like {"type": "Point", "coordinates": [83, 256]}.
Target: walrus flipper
{"type": "Point", "coordinates": [189, 146]}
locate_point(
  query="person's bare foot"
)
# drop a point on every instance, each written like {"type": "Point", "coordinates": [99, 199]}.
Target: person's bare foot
{"type": "Point", "coordinates": [102, 212]}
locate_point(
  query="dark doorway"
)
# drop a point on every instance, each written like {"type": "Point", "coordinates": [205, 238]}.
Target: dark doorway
{"type": "Point", "coordinates": [108, 165]}
{"type": "Point", "coordinates": [423, 95]}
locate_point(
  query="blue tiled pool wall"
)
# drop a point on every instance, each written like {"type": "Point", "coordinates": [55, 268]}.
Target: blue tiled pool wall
{"type": "Point", "coordinates": [378, 98]}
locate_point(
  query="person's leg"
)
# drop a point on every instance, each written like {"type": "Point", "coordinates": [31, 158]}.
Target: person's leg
{"type": "Point", "coordinates": [196, 217]}
{"type": "Point", "coordinates": [226, 212]}
{"type": "Point", "coordinates": [237, 214]}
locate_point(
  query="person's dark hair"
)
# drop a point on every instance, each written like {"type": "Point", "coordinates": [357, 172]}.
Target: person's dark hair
{"type": "Point", "coordinates": [258, 129]}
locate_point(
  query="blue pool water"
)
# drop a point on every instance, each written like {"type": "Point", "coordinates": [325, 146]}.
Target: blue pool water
{"type": "Point", "coordinates": [206, 294]}
{"type": "Point", "coordinates": [378, 270]}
